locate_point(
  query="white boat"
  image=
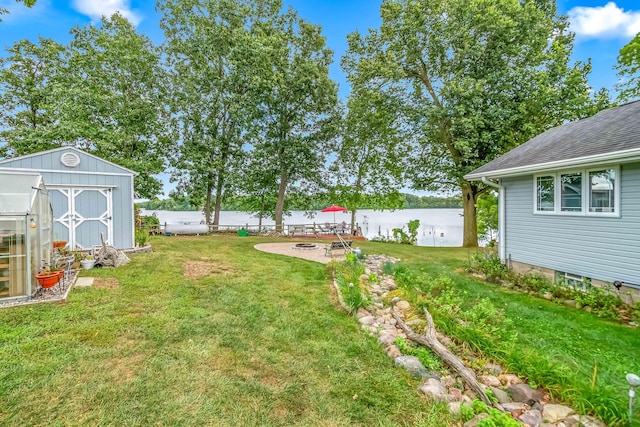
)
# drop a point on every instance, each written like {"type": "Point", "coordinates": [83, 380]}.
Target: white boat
{"type": "Point", "coordinates": [186, 228]}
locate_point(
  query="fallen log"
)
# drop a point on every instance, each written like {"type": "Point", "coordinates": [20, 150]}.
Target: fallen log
{"type": "Point", "coordinates": [430, 340]}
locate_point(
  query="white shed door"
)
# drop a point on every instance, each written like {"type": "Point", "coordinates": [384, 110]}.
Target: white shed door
{"type": "Point", "coordinates": [81, 214]}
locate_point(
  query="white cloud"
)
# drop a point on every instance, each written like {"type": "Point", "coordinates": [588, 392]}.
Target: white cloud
{"type": "Point", "coordinates": [608, 21]}
{"type": "Point", "coordinates": [96, 9]}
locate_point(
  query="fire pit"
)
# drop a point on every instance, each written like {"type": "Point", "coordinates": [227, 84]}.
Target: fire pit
{"type": "Point", "coordinates": [306, 246]}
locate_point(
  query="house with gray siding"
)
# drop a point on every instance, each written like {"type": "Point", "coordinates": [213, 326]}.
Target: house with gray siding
{"type": "Point", "coordinates": [569, 201]}
{"type": "Point", "coordinates": [89, 196]}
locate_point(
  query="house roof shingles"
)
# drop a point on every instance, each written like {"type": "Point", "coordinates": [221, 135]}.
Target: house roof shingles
{"type": "Point", "coordinates": [609, 131]}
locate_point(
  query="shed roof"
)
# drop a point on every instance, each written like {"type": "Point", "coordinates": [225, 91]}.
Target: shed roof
{"type": "Point", "coordinates": [17, 192]}
{"type": "Point", "coordinates": [28, 159]}
{"type": "Point", "coordinates": [610, 135]}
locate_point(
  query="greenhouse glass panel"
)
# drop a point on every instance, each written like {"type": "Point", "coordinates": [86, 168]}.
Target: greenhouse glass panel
{"type": "Point", "coordinates": [25, 233]}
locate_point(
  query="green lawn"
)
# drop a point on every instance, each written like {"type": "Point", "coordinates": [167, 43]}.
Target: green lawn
{"type": "Point", "coordinates": [256, 342]}
{"type": "Point", "coordinates": [259, 342]}
{"type": "Point", "coordinates": [557, 346]}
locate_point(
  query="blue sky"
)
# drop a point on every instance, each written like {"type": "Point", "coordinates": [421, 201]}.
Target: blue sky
{"type": "Point", "coordinates": [602, 27]}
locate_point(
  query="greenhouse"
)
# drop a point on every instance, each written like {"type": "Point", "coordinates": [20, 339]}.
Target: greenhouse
{"type": "Point", "coordinates": [26, 233]}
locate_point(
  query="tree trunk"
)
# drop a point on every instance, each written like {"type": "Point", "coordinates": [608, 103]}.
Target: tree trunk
{"type": "Point", "coordinates": [207, 203]}
{"type": "Point", "coordinates": [220, 184]}
{"type": "Point", "coordinates": [469, 198]}
{"type": "Point", "coordinates": [282, 188]}
{"type": "Point", "coordinates": [260, 215]}
{"type": "Point", "coordinates": [216, 212]}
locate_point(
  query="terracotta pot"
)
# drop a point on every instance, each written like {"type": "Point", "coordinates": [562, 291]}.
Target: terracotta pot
{"type": "Point", "coordinates": [59, 244]}
{"type": "Point", "coordinates": [48, 280]}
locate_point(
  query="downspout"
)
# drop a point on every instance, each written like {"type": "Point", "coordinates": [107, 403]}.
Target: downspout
{"type": "Point", "coordinates": [501, 217]}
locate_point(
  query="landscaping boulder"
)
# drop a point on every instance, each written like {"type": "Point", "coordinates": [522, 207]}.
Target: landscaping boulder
{"type": "Point", "coordinates": [533, 418]}
{"type": "Point", "coordinates": [434, 390]}
{"type": "Point", "coordinates": [553, 413]}
{"type": "Point", "coordinates": [501, 395]}
{"type": "Point", "coordinates": [413, 365]}
{"type": "Point", "coordinates": [585, 421]}
{"type": "Point", "coordinates": [403, 305]}
{"type": "Point", "coordinates": [489, 380]}
{"type": "Point", "coordinates": [524, 393]}
{"type": "Point", "coordinates": [367, 320]}
{"type": "Point", "coordinates": [387, 339]}
{"type": "Point", "coordinates": [393, 351]}
{"type": "Point", "coordinates": [508, 379]}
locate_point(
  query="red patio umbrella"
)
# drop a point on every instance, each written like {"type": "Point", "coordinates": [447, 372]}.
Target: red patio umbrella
{"type": "Point", "coordinates": [334, 209]}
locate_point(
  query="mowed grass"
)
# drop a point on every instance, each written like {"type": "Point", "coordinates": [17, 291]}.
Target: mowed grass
{"type": "Point", "coordinates": [580, 358]}
{"type": "Point", "coordinates": [257, 341]}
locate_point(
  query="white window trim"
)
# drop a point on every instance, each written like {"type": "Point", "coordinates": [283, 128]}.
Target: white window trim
{"type": "Point", "coordinates": [586, 193]}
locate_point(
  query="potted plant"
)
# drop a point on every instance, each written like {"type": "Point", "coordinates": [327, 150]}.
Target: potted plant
{"type": "Point", "coordinates": [77, 257]}
{"type": "Point", "coordinates": [47, 278]}
{"type": "Point", "coordinates": [88, 262]}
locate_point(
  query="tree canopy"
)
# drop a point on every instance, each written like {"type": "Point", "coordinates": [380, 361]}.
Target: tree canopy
{"type": "Point", "coordinates": [629, 70]}
{"type": "Point", "coordinates": [101, 93]}
{"type": "Point", "coordinates": [476, 78]}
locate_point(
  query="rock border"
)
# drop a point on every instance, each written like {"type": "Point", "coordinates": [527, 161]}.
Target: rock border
{"type": "Point", "coordinates": [527, 405]}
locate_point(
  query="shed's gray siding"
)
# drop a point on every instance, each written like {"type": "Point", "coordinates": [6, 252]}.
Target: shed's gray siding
{"type": "Point", "coordinates": [91, 172]}
{"type": "Point", "coordinates": [604, 248]}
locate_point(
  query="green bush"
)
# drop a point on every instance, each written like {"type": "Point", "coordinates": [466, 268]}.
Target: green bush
{"type": "Point", "coordinates": [348, 275]}
{"type": "Point", "coordinates": [489, 264]}
{"type": "Point", "coordinates": [352, 295]}
{"type": "Point", "coordinates": [141, 237]}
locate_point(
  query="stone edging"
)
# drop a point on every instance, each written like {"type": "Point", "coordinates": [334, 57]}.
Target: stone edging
{"type": "Point", "coordinates": [529, 406]}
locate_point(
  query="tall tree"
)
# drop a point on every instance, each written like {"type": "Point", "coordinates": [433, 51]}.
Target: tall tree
{"type": "Point", "coordinates": [27, 115]}
{"type": "Point", "coordinates": [297, 107]}
{"type": "Point", "coordinates": [628, 67]}
{"type": "Point", "coordinates": [370, 159]}
{"type": "Point", "coordinates": [111, 99]}
{"type": "Point", "coordinates": [481, 77]}
{"type": "Point", "coordinates": [213, 48]}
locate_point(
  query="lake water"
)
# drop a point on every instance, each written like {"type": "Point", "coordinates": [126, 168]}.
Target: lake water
{"type": "Point", "coordinates": [438, 227]}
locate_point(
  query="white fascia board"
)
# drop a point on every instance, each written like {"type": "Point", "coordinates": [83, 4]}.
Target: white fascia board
{"type": "Point", "coordinates": [626, 156]}
{"type": "Point", "coordinates": [58, 171]}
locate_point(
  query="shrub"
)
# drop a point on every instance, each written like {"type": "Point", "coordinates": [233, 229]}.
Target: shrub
{"type": "Point", "coordinates": [489, 264]}
{"type": "Point", "coordinates": [348, 276]}
{"type": "Point", "coordinates": [353, 295]}
{"type": "Point", "coordinates": [141, 237]}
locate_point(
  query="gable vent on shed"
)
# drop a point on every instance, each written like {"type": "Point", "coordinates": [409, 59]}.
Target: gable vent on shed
{"type": "Point", "coordinates": [70, 160]}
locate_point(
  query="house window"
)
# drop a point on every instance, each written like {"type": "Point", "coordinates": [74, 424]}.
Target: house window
{"type": "Point", "coordinates": [582, 192]}
{"type": "Point", "coordinates": [573, 280]}
{"type": "Point", "coordinates": [602, 190]}
{"type": "Point", "coordinates": [545, 193]}
{"type": "Point", "coordinates": [571, 192]}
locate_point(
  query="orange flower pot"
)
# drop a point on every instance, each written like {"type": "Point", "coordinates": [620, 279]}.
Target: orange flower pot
{"type": "Point", "coordinates": [48, 280]}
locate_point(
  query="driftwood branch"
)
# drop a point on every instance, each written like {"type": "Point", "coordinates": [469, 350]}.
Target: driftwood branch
{"type": "Point", "coordinates": [430, 340]}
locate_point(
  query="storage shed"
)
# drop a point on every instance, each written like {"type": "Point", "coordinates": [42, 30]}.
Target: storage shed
{"type": "Point", "coordinates": [89, 196]}
{"type": "Point", "coordinates": [25, 232]}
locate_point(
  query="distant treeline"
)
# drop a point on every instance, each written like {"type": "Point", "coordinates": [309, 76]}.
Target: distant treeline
{"type": "Point", "coordinates": [411, 202]}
